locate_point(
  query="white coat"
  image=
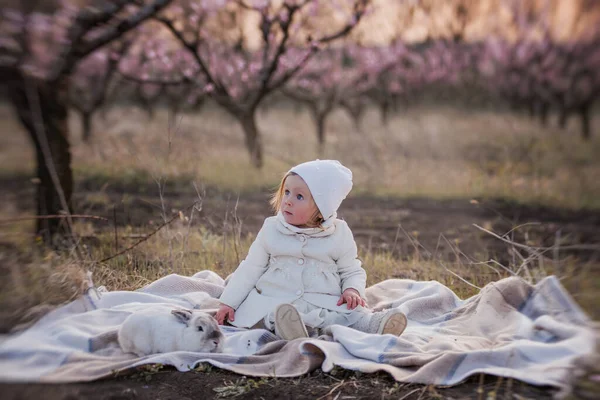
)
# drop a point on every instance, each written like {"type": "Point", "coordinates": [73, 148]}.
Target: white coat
{"type": "Point", "coordinates": [286, 263]}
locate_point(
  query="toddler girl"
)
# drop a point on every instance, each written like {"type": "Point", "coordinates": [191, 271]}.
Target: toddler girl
{"type": "Point", "coordinates": [303, 269]}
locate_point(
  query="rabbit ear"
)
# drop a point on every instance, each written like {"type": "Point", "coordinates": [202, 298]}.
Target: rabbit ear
{"type": "Point", "coordinates": [182, 315]}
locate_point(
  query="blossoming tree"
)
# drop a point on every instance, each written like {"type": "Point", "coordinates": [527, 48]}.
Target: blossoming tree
{"type": "Point", "coordinates": [238, 77]}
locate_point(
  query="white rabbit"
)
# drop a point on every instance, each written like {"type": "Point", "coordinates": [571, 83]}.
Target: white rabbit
{"type": "Point", "coordinates": [161, 330]}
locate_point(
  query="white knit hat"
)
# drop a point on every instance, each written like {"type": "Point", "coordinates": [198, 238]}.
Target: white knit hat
{"type": "Point", "coordinates": [329, 183]}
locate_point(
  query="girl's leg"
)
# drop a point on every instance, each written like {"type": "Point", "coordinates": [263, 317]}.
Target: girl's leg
{"type": "Point", "coordinates": [390, 321]}
{"type": "Point", "coordinates": [296, 320]}
{"type": "Point", "coordinates": [260, 325]}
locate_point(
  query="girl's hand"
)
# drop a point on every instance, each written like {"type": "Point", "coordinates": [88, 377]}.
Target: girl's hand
{"type": "Point", "coordinates": [225, 313]}
{"type": "Point", "coordinates": [352, 298]}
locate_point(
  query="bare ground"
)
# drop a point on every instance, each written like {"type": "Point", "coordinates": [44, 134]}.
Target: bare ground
{"type": "Point", "coordinates": [168, 384]}
{"type": "Point", "coordinates": [392, 223]}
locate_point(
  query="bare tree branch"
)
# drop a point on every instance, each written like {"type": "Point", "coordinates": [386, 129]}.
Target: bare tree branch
{"type": "Point", "coordinates": [173, 82]}
{"type": "Point", "coordinates": [268, 72]}
{"type": "Point", "coordinates": [113, 65]}
{"type": "Point", "coordinates": [359, 11]}
{"type": "Point", "coordinates": [192, 48]}
{"type": "Point", "coordinates": [291, 72]}
{"type": "Point", "coordinates": [87, 22]}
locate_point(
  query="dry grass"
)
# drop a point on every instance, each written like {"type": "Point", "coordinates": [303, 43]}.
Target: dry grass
{"type": "Point", "coordinates": [48, 279]}
{"type": "Point", "coordinates": [28, 290]}
{"type": "Point", "coordinates": [434, 153]}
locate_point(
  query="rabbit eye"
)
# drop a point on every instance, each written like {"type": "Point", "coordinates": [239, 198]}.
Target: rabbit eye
{"type": "Point", "coordinates": [200, 329]}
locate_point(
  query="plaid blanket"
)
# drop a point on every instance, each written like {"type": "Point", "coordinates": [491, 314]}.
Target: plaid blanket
{"type": "Point", "coordinates": [510, 329]}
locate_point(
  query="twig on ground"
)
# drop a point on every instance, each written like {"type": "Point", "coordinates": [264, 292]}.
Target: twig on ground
{"type": "Point", "coordinates": [115, 225]}
{"type": "Point", "coordinates": [459, 277]}
{"type": "Point", "coordinates": [498, 384]}
{"type": "Point", "coordinates": [508, 390]}
{"type": "Point", "coordinates": [225, 222]}
{"type": "Point", "coordinates": [332, 390]}
{"type": "Point", "coordinates": [11, 220]}
{"type": "Point", "coordinates": [501, 266]}
{"type": "Point", "coordinates": [524, 263]}
{"type": "Point", "coordinates": [556, 252]}
{"type": "Point", "coordinates": [147, 237]}
{"type": "Point", "coordinates": [396, 239]}
{"type": "Point", "coordinates": [520, 226]}
{"type": "Point", "coordinates": [480, 390]}
{"type": "Point", "coordinates": [452, 272]}
{"type": "Point", "coordinates": [197, 207]}
{"type": "Point", "coordinates": [409, 393]}
{"type": "Point", "coordinates": [416, 244]}
{"type": "Point", "coordinates": [422, 392]}
{"type": "Point", "coordinates": [522, 246]}
{"type": "Point", "coordinates": [454, 250]}
{"type": "Point", "coordinates": [237, 230]}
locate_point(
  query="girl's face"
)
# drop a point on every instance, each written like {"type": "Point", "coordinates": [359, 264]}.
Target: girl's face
{"type": "Point", "coordinates": [297, 204]}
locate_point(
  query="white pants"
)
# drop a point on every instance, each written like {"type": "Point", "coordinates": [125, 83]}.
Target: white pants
{"type": "Point", "coordinates": [319, 318]}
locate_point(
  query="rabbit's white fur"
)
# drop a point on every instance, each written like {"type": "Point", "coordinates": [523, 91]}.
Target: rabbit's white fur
{"type": "Point", "coordinates": [163, 329]}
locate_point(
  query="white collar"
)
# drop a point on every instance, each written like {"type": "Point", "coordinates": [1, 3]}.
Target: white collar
{"type": "Point", "coordinates": [328, 227]}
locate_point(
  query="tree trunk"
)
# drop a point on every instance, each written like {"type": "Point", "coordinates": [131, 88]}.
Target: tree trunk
{"type": "Point", "coordinates": [563, 117]}
{"type": "Point", "coordinates": [358, 117]}
{"type": "Point", "coordinates": [149, 109]}
{"type": "Point", "coordinates": [146, 106]}
{"type": "Point", "coordinates": [42, 108]}
{"type": "Point", "coordinates": [544, 108]}
{"type": "Point", "coordinates": [198, 104]}
{"type": "Point", "coordinates": [319, 116]}
{"type": "Point", "coordinates": [385, 112]}
{"type": "Point", "coordinates": [584, 113]}
{"type": "Point", "coordinates": [252, 137]}
{"type": "Point", "coordinates": [356, 111]}
{"type": "Point", "coordinates": [531, 108]}
{"type": "Point", "coordinates": [86, 125]}
{"type": "Point", "coordinates": [174, 108]}
{"type": "Point", "coordinates": [172, 115]}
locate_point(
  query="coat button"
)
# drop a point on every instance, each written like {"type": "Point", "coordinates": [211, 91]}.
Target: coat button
{"type": "Point", "coordinates": [301, 261]}
{"type": "Point", "coordinates": [303, 238]}
{"type": "Point", "coordinates": [298, 292]}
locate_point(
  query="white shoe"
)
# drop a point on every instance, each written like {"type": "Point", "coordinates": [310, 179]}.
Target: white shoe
{"type": "Point", "coordinates": [393, 322]}
{"type": "Point", "coordinates": [382, 322]}
{"type": "Point", "coordinates": [288, 323]}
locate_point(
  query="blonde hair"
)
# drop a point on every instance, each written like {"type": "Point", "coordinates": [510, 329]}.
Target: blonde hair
{"type": "Point", "coordinates": [315, 221]}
